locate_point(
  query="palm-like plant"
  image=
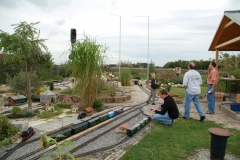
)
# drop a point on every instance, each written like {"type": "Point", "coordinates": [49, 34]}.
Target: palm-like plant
{"type": "Point", "coordinates": [46, 141]}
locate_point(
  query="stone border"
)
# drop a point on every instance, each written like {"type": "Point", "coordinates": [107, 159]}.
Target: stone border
{"type": "Point", "coordinates": [226, 109]}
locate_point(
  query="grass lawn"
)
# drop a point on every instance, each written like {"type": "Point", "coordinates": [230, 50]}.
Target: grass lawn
{"type": "Point", "coordinates": [181, 91]}
{"type": "Point", "coordinates": [179, 141]}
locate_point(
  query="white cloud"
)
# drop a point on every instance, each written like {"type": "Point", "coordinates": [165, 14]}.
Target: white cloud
{"type": "Point", "coordinates": [177, 29]}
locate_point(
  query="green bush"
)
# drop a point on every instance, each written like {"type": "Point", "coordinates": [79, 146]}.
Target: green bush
{"type": "Point", "coordinates": [15, 110]}
{"type": "Point", "coordinates": [49, 83]}
{"type": "Point", "coordinates": [6, 142]}
{"type": "Point", "coordinates": [29, 113]}
{"type": "Point", "coordinates": [97, 104]}
{"type": "Point", "coordinates": [64, 105]}
{"type": "Point", "coordinates": [57, 77]}
{"type": "Point", "coordinates": [6, 128]}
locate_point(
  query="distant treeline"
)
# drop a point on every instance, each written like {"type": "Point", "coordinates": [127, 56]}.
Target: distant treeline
{"type": "Point", "coordinates": [200, 65]}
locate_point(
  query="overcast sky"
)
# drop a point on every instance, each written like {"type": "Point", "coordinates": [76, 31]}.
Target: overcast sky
{"type": "Point", "coordinates": [178, 29]}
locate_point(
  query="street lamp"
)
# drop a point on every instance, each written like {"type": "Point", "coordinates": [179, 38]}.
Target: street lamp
{"type": "Point", "coordinates": [119, 43]}
{"type": "Point", "coordinates": [148, 47]}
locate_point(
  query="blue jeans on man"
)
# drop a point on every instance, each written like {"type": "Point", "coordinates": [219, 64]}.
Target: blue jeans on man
{"type": "Point", "coordinates": [211, 99]}
{"type": "Point", "coordinates": [165, 119]}
{"type": "Point", "coordinates": [195, 99]}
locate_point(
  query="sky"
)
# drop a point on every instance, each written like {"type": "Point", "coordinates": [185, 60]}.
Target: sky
{"type": "Point", "coordinates": [178, 29]}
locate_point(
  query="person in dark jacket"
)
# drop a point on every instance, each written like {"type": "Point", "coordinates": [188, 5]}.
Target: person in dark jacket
{"type": "Point", "coordinates": [154, 86]}
{"type": "Point", "coordinates": [168, 111]}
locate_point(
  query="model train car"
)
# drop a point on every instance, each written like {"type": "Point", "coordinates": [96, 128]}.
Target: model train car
{"type": "Point", "coordinates": [85, 123]}
{"type": "Point", "coordinates": [28, 133]}
{"type": "Point", "coordinates": [134, 129]}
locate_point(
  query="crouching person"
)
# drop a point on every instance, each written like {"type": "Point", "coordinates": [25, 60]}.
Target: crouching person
{"type": "Point", "coordinates": [167, 112]}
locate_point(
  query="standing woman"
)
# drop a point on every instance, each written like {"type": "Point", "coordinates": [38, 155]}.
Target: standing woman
{"type": "Point", "coordinates": [212, 81]}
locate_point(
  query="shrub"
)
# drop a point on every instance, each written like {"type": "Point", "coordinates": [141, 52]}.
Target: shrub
{"type": "Point", "coordinates": [29, 113]}
{"type": "Point", "coordinates": [6, 128]}
{"type": "Point", "coordinates": [51, 86]}
{"type": "Point", "coordinates": [6, 142]}
{"type": "Point", "coordinates": [66, 106]}
{"type": "Point", "coordinates": [97, 104]}
{"type": "Point", "coordinates": [125, 77]}
{"type": "Point", "coordinates": [16, 110]}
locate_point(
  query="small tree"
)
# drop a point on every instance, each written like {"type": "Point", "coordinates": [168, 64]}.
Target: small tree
{"type": "Point", "coordinates": [51, 86]}
{"type": "Point", "coordinates": [20, 48]}
{"type": "Point", "coordinates": [230, 64]}
{"type": "Point", "coordinates": [18, 82]}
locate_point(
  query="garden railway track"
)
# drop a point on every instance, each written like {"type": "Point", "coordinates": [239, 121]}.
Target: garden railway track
{"type": "Point", "coordinates": [34, 154]}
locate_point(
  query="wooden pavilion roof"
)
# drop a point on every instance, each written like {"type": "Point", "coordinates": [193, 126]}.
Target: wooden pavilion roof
{"type": "Point", "coordinates": [227, 37]}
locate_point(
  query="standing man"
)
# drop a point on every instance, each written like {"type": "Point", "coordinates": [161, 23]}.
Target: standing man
{"type": "Point", "coordinates": [168, 111]}
{"type": "Point", "coordinates": [212, 81]}
{"type": "Point", "coordinates": [192, 81]}
{"type": "Point", "coordinates": [154, 86]}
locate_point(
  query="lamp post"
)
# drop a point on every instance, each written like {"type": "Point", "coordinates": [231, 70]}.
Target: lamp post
{"type": "Point", "coordinates": [119, 44]}
{"type": "Point", "coordinates": [148, 47]}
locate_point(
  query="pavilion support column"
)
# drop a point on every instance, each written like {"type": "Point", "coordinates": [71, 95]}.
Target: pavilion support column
{"type": "Point", "coordinates": [216, 59]}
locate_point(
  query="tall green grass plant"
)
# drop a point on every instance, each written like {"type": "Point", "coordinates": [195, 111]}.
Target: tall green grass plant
{"type": "Point", "coordinates": [125, 77]}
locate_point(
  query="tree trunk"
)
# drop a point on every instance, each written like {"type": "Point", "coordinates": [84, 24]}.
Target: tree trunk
{"type": "Point", "coordinates": [28, 89]}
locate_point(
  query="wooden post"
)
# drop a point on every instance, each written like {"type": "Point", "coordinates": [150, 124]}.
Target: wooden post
{"type": "Point", "coordinates": [216, 59]}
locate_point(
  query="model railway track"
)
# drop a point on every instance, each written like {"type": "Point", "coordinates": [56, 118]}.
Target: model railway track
{"type": "Point", "coordinates": [23, 143]}
{"type": "Point", "coordinates": [100, 135]}
{"type": "Point", "coordinates": [102, 149]}
{"type": "Point", "coordinates": [94, 138]}
{"type": "Point", "coordinates": [148, 92]}
{"type": "Point", "coordinates": [144, 89]}
{"type": "Point", "coordinates": [39, 149]}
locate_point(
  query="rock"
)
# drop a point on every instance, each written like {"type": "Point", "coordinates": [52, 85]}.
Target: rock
{"type": "Point", "coordinates": [22, 125]}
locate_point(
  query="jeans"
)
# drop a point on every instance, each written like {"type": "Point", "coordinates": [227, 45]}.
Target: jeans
{"type": "Point", "coordinates": [192, 98]}
{"type": "Point", "coordinates": [165, 119]}
{"type": "Point", "coordinates": [211, 99]}
{"type": "Point", "coordinates": [152, 95]}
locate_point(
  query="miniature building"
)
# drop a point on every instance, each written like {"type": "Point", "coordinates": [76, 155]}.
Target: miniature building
{"type": "Point", "coordinates": [67, 99]}
{"type": "Point", "coordinates": [123, 128]}
{"type": "Point", "coordinates": [88, 111]}
{"type": "Point", "coordinates": [15, 100]}
{"type": "Point", "coordinates": [74, 108]}
{"type": "Point", "coordinates": [48, 106]}
{"type": "Point", "coordinates": [47, 95]}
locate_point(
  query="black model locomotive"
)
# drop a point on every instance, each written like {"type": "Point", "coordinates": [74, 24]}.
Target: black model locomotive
{"type": "Point", "coordinates": [28, 133]}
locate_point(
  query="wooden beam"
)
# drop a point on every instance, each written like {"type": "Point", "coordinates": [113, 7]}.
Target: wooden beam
{"type": "Point", "coordinates": [228, 24]}
{"type": "Point", "coordinates": [216, 61]}
{"type": "Point", "coordinates": [218, 33]}
{"type": "Point", "coordinates": [228, 42]}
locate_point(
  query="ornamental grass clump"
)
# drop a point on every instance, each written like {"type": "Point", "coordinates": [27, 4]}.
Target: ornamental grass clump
{"type": "Point", "coordinates": [125, 77]}
{"type": "Point", "coordinates": [86, 65]}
